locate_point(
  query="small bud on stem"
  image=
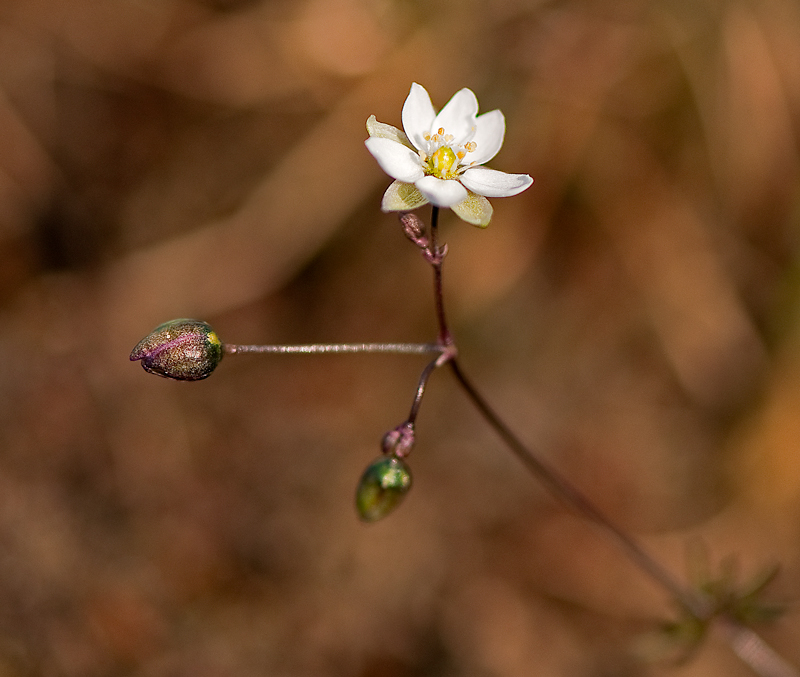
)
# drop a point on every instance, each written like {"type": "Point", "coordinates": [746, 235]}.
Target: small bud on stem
{"type": "Point", "coordinates": [383, 486]}
{"type": "Point", "coordinates": [400, 441]}
{"type": "Point", "coordinates": [414, 229]}
{"type": "Point", "coordinates": [184, 350]}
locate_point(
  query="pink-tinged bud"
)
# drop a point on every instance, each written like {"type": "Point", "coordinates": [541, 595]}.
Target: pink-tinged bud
{"type": "Point", "coordinates": [400, 441]}
{"type": "Point", "coordinates": [185, 350]}
{"type": "Point", "coordinates": [414, 228]}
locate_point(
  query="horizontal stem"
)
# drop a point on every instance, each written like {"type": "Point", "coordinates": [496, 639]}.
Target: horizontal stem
{"type": "Point", "coordinates": [311, 348]}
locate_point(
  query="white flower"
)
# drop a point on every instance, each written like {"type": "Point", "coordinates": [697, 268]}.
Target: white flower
{"type": "Point", "coordinates": [438, 158]}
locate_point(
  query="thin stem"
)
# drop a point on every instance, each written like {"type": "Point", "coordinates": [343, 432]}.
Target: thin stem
{"type": "Point", "coordinates": [396, 348]}
{"type": "Point", "coordinates": [555, 482]}
{"type": "Point", "coordinates": [434, 230]}
{"type": "Point", "coordinates": [423, 383]}
{"type": "Point", "coordinates": [567, 493]}
{"type": "Point", "coordinates": [756, 652]}
{"type": "Point", "coordinates": [436, 257]}
{"type": "Point", "coordinates": [746, 643]}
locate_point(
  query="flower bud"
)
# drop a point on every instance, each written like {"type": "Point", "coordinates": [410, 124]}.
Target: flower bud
{"type": "Point", "coordinates": [383, 486]}
{"type": "Point", "coordinates": [400, 441]}
{"type": "Point", "coordinates": [413, 228]}
{"type": "Point", "coordinates": [186, 350]}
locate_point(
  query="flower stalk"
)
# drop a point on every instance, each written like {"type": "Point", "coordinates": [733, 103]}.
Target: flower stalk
{"type": "Point", "coordinates": [317, 348]}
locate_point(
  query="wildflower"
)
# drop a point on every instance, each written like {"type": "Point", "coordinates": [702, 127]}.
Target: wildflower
{"type": "Point", "coordinates": [438, 159]}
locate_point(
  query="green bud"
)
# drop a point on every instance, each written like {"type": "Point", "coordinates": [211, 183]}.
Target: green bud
{"type": "Point", "coordinates": [186, 350]}
{"type": "Point", "coordinates": [383, 486]}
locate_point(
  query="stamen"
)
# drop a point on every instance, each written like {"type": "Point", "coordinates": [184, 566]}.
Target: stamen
{"type": "Point", "coordinates": [441, 131]}
{"type": "Point", "coordinates": [460, 154]}
{"type": "Point", "coordinates": [471, 146]}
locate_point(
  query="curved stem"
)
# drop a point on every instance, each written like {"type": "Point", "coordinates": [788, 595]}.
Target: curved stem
{"type": "Point", "coordinates": [423, 383]}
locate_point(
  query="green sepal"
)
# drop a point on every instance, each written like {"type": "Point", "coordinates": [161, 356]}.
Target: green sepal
{"type": "Point", "coordinates": [474, 209]}
{"type": "Point", "coordinates": [380, 130]}
{"type": "Point", "coordinates": [402, 197]}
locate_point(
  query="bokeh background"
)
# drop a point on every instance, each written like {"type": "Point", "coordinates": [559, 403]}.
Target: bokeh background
{"type": "Point", "coordinates": [633, 316]}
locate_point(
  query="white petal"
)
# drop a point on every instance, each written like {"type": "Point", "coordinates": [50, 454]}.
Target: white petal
{"type": "Point", "coordinates": [458, 116]}
{"type": "Point", "coordinates": [488, 137]}
{"type": "Point", "coordinates": [395, 159]}
{"type": "Point", "coordinates": [402, 197]}
{"type": "Point", "coordinates": [381, 130]}
{"type": "Point", "coordinates": [440, 192]}
{"type": "Point", "coordinates": [418, 115]}
{"type": "Point", "coordinates": [475, 210]}
{"type": "Point", "coordinates": [491, 183]}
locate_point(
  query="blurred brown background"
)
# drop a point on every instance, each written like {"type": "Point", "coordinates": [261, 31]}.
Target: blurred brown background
{"type": "Point", "coordinates": [633, 315]}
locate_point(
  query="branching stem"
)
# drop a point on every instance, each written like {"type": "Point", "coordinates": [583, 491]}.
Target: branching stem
{"type": "Point", "coordinates": [744, 641]}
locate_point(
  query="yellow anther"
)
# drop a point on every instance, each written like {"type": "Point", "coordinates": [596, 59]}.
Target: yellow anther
{"type": "Point", "coordinates": [461, 154]}
{"type": "Point", "coordinates": [471, 146]}
{"type": "Point", "coordinates": [441, 131]}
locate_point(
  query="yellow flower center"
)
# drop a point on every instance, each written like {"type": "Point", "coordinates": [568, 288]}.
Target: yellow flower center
{"type": "Point", "coordinates": [441, 160]}
{"type": "Point", "coordinates": [443, 163]}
